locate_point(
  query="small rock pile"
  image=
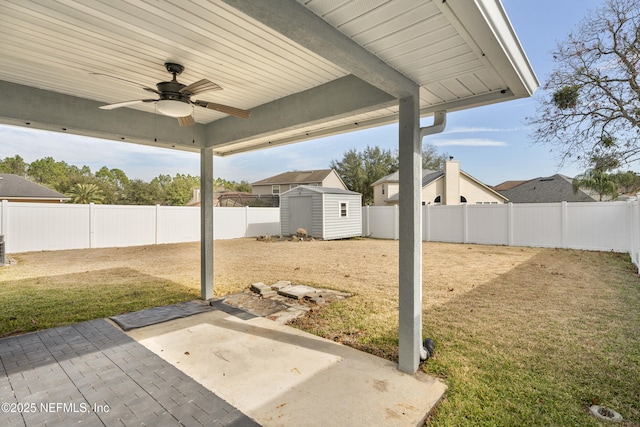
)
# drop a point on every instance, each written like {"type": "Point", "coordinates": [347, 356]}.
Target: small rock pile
{"type": "Point", "coordinates": [286, 289]}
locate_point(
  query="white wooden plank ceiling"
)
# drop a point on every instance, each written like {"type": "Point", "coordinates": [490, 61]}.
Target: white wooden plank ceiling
{"type": "Point", "coordinates": [460, 53]}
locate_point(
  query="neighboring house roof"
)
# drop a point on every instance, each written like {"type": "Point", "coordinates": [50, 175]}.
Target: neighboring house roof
{"type": "Point", "coordinates": [15, 187]}
{"type": "Point", "coordinates": [296, 177]}
{"type": "Point", "coordinates": [508, 185]}
{"type": "Point", "coordinates": [551, 189]}
{"type": "Point", "coordinates": [428, 176]}
{"type": "Point", "coordinates": [322, 190]}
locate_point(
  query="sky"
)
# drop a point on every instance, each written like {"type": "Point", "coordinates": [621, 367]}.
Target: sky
{"type": "Point", "coordinates": [492, 143]}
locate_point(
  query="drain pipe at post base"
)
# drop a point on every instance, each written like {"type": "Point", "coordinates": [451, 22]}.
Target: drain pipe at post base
{"type": "Point", "coordinates": [439, 123]}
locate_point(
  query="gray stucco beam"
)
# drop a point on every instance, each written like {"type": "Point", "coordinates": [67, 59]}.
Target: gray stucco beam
{"type": "Point", "coordinates": [301, 25]}
{"type": "Point", "coordinates": [35, 108]}
{"type": "Point", "coordinates": [342, 97]}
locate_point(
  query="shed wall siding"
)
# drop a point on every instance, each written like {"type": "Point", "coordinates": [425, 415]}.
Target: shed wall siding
{"type": "Point", "coordinates": [317, 223]}
{"type": "Point", "coordinates": [326, 222]}
{"type": "Point", "coordinates": [284, 216]}
{"type": "Point", "coordinates": [336, 227]}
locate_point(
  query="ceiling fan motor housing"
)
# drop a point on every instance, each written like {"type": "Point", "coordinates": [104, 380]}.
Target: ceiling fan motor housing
{"type": "Point", "coordinates": [171, 90]}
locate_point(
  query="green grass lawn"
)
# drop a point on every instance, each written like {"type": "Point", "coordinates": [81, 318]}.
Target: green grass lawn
{"type": "Point", "coordinates": [540, 352]}
{"type": "Point", "coordinates": [46, 302]}
{"type": "Point", "coordinates": [535, 347]}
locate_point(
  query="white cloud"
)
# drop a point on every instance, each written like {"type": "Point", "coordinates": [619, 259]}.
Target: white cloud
{"type": "Point", "coordinates": [471, 129]}
{"type": "Point", "coordinates": [469, 142]}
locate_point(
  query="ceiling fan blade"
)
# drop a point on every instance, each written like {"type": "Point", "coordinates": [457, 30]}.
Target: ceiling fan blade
{"type": "Point", "coordinates": [186, 121]}
{"type": "Point", "coordinates": [200, 86]}
{"type": "Point", "coordinates": [125, 104]}
{"type": "Point", "coordinates": [224, 109]}
{"type": "Point", "coordinates": [138, 85]}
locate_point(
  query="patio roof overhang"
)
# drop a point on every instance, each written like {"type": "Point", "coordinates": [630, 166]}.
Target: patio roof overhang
{"type": "Point", "coordinates": [305, 69]}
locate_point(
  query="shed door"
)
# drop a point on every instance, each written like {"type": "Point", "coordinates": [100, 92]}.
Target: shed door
{"type": "Point", "coordinates": [300, 214]}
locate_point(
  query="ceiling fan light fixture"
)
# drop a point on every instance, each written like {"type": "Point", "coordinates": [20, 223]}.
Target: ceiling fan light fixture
{"type": "Point", "coordinates": [173, 108]}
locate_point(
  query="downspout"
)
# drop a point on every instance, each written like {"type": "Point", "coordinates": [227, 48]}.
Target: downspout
{"type": "Point", "coordinates": [439, 123]}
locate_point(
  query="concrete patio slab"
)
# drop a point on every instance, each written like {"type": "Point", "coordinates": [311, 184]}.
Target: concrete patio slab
{"type": "Point", "coordinates": [281, 376]}
{"type": "Point", "coordinates": [92, 374]}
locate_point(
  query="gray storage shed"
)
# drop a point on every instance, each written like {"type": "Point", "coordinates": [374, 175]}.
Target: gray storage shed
{"type": "Point", "coordinates": [325, 213]}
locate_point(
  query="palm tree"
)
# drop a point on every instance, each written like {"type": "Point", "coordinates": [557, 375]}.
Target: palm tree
{"type": "Point", "coordinates": [597, 181]}
{"type": "Point", "coordinates": [85, 194]}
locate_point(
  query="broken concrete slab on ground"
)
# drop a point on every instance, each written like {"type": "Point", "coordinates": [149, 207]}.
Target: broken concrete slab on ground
{"type": "Point", "coordinates": [282, 301]}
{"type": "Point", "coordinates": [298, 292]}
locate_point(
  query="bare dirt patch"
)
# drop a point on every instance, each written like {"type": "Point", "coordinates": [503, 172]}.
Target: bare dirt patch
{"type": "Point", "coordinates": [363, 266]}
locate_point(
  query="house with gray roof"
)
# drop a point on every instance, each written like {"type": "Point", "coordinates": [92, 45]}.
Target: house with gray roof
{"type": "Point", "coordinates": [17, 189]}
{"type": "Point", "coordinates": [450, 186]}
{"type": "Point", "coordinates": [286, 181]}
{"type": "Point", "coordinates": [550, 189]}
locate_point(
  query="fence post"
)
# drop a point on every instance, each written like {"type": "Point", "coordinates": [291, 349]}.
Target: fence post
{"type": "Point", "coordinates": [510, 224]}
{"type": "Point", "coordinates": [4, 227]}
{"type": "Point", "coordinates": [92, 230]}
{"type": "Point", "coordinates": [465, 224]}
{"type": "Point", "coordinates": [367, 216]}
{"type": "Point", "coordinates": [396, 222]}
{"type": "Point", "coordinates": [634, 233]}
{"type": "Point", "coordinates": [157, 230]}
{"type": "Point", "coordinates": [246, 221]}
{"type": "Point", "coordinates": [563, 225]}
{"type": "Point", "coordinates": [426, 218]}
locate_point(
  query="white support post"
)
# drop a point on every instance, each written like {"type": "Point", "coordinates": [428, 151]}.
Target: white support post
{"type": "Point", "coordinates": [206, 223]}
{"type": "Point", "coordinates": [410, 252]}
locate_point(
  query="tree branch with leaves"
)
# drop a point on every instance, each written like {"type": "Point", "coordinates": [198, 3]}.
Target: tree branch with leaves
{"type": "Point", "coordinates": [591, 111]}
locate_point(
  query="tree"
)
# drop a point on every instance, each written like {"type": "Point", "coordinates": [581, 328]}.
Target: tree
{"type": "Point", "coordinates": [138, 192]}
{"type": "Point", "coordinates": [628, 182]}
{"type": "Point", "coordinates": [14, 165]}
{"type": "Point", "coordinates": [112, 182]}
{"type": "Point", "coordinates": [360, 169]}
{"type": "Point", "coordinates": [50, 173]}
{"type": "Point", "coordinates": [180, 190]}
{"type": "Point", "coordinates": [85, 194]}
{"type": "Point", "coordinates": [591, 112]}
{"type": "Point", "coordinates": [598, 181]}
{"type": "Point", "coordinates": [431, 159]}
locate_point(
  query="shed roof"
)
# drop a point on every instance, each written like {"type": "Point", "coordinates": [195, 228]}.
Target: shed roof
{"type": "Point", "coordinates": [15, 187]}
{"type": "Point", "coordinates": [322, 190]}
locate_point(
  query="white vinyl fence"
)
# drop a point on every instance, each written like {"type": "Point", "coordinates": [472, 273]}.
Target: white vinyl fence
{"type": "Point", "coordinates": [47, 226]}
{"type": "Point", "coordinates": [607, 226]}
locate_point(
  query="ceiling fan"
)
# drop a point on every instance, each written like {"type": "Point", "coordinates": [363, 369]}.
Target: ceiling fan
{"type": "Point", "coordinates": [175, 98]}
